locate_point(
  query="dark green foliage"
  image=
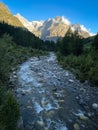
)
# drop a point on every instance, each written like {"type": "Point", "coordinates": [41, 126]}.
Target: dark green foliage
{"type": "Point", "coordinates": [83, 66]}
{"type": "Point", "coordinates": [23, 37]}
{"type": "Point", "coordinates": [11, 55]}
{"type": "Point", "coordinates": [9, 113]}
{"type": "Point", "coordinates": [71, 44]}
{"type": "Point", "coordinates": [2, 93]}
{"type": "Point", "coordinates": [95, 43]}
{"type": "Point", "coordinates": [81, 59]}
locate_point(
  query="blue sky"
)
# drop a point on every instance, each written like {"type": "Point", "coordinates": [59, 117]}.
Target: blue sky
{"type": "Point", "coordinates": [84, 12]}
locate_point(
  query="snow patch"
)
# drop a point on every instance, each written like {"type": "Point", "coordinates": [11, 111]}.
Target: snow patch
{"type": "Point", "coordinates": [65, 20]}
{"type": "Point", "coordinates": [83, 28]}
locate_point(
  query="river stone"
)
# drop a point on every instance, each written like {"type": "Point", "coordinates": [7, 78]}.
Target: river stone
{"type": "Point", "coordinates": [61, 101]}
{"type": "Point", "coordinates": [14, 76]}
{"type": "Point", "coordinates": [40, 80]}
{"type": "Point", "coordinates": [54, 88]}
{"type": "Point", "coordinates": [29, 107]}
{"type": "Point", "coordinates": [76, 126]}
{"type": "Point", "coordinates": [57, 95]}
{"type": "Point", "coordinates": [83, 117]}
{"type": "Point", "coordinates": [81, 102]}
{"type": "Point", "coordinates": [43, 103]}
{"type": "Point", "coordinates": [51, 113]}
{"type": "Point", "coordinates": [95, 106]}
{"type": "Point", "coordinates": [41, 123]}
{"type": "Point", "coordinates": [70, 80]}
{"type": "Point", "coordinates": [46, 128]}
{"type": "Point", "coordinates": [23, 93]}
{"type": "Point", "coordinates": [20, 124]}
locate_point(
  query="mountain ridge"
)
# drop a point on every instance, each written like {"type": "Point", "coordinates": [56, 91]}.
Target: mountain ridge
{"type": "Point", "coordinates": [7, 17]}
{"type": "Point", "coordinates": [54, 28]}
{"type": "Point", "coordinates": [51, 29]}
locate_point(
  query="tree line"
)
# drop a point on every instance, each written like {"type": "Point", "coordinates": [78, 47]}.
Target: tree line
{"type": "Point", "coordinates": [80, 56]}
{"type": "Point", "coordinates": [23, 37]}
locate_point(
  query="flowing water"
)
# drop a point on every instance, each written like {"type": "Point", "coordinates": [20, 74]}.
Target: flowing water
{"type": "Point", "coordinates": [46, 96]}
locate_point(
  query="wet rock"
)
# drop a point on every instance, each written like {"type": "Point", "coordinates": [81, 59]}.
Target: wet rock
{"type": "Point", "coordinates": [82, 102]}
{"type": "Point", "coordinates": [66, 74]}
{"type": "Point", "coordinates": [54, 88]}
{"type": "Point", "coordinates": [51, 113]}
{"type": "Point", "coordinates": [95, 106]}
{"type": "Point", "coordinates": [20, 124]}
{"type": "Point", "coordinates": [46, 128]}
{"type": "Point", "coordinates": [14, 72]}
{"type": "Point", "coordinates": [83, 117]}
{"type": "Point", "coordinates": [14, 76]}
{"type": "Point", "coordinates": [29, 107]}
{"type": "Point", "coordinates": [58, 95]}
{"type": "Point", "coordinates": [76, 126]}
{"type": "Point", "coordinates": [13, 69]}
{"type": "Point", "coordinates": [82, 90]}
{"type": "Point", "coordinates": [43, 103]}
{"type": "Point", "coordinates": [61, 101]}
{"type": "Point", "coordinates": [70, 80]}
{"type": "Point", "coordinates": [23, 93]}
{"type": "Point", "coordinates": [90, 114]}
{"type": "Point", "coordinates": [41, 123]}
{"type": "Point", "coordinates": [77, 97]}
{"type": "Point", "coordinates": [40, 80]}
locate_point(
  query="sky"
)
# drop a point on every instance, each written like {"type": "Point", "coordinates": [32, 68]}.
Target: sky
{"type": "Point", "coordinates": [84, 12]}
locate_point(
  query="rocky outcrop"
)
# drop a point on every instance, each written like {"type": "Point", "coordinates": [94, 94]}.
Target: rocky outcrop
{"type": "Point", "coordinates": [53, 28]}
{"type": "Point", "coordinates": [7, 17]}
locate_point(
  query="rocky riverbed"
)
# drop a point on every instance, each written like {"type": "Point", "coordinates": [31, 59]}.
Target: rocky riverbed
{"type": "Point", "coordinates": [51, 98]}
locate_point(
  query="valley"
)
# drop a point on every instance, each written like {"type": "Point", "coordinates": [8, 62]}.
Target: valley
{"type": "Point", "coordinates": [51, 98]}
{"type": "Point", "coordinates": [48, 71]}
{"type": "Point", "coordinates": [53, 29]}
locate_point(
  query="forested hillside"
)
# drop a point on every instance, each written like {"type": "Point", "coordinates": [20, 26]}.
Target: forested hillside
{"type": "Point", "coordinates": [80, 56]}
{"type": "Point", "coordinates": [25, 38]}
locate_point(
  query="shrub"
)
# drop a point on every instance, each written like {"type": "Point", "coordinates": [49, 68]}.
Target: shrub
{"type": "Point", "coordinates": [9, 113]}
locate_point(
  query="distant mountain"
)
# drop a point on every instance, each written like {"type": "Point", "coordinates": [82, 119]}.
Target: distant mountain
{"type": "Point", "coordinates": [53, 28]}
{"type": "Point", "coordinates": [31, 26]}
{"type": "Point", "coordinates": [82, 31]}
{"type": "Point", "coordinates": [7, 17]}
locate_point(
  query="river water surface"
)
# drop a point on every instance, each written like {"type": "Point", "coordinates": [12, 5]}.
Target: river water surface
{"type": "Point", "coordinates": [46, 96]}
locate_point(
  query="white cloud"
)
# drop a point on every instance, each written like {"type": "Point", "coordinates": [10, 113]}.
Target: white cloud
{"type": "Point", "coordinates": [65, 20]}
{"type": "Point", "coordinates": [87, 30]}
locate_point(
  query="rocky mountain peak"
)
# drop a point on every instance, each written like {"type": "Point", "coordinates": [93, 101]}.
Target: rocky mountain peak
{"type": "Point", "coordinates": [24, 21]}
{"type": "Point", "coordinates": [4, 8]}
{"type": "Point", "coordinates": [81, 30]}
{"type": "Point", "coordinates": [58, 18]}
{"type": "Point", "coordinates": [53, 28]}
{"type": "Point", "coordinates": [18, 15]}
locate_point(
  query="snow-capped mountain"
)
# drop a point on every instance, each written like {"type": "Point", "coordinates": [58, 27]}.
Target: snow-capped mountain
{"type": "Point", "coordinates": [25, 22]}
{"type": "Point", "coordinates": [53, 28]}
{"type": "Point", "coordinates": [82, 31]}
